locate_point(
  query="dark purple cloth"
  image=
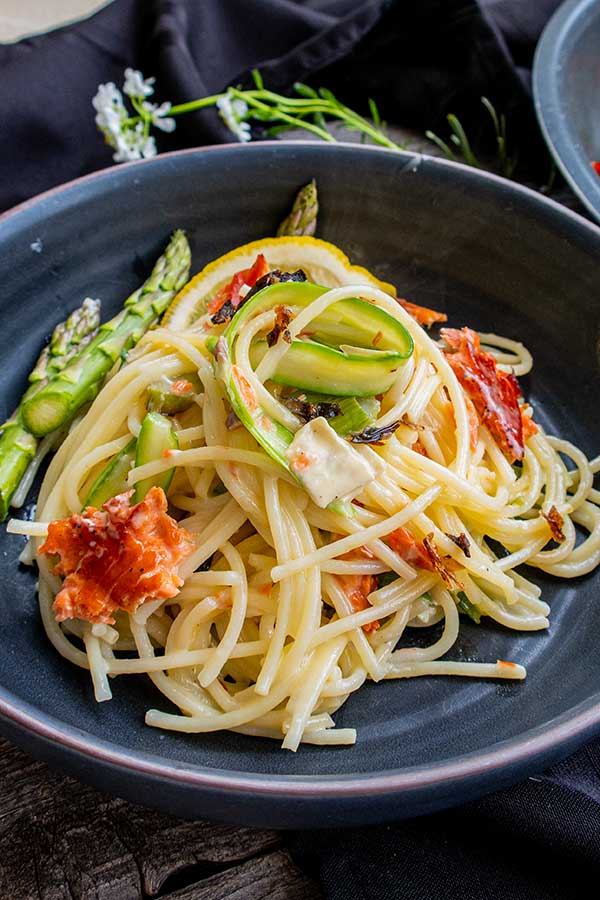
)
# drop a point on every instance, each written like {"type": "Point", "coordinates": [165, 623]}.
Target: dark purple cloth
{"type": "Point", "coordinates": [539, 840]}
{"type": "Point", "coordinates": [420, 60]}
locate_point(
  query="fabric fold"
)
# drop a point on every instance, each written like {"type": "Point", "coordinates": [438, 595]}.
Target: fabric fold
{"type": "Point", "coordinates": [417, 61]}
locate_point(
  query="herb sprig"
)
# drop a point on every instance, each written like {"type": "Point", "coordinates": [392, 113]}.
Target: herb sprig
{"type": "Point", "coordinates": [461, 147]}
{"type": "Point", "coordinates": [127, 119]}
{"type": "Point", "coordinates": [310, 110]}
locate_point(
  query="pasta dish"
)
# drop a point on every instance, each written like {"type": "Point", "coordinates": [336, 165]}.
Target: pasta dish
{"type": "Point", "coordinates": [264, 478]}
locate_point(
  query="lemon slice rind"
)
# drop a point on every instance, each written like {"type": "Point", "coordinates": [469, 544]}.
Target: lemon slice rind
{"type": "Point", "coordinates": [323, 263]}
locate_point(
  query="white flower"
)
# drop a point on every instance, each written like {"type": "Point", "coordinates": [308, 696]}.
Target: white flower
{"type": "Point", "coordinates": [159, 114]}
{"type": "Point", "coordinates": [127, 132]}
{"type": "Point", "coordinates": [233, 111]}
{"type": "Point", "coordinates": [108, 96]}
{"type": "Point", "coordinates": [135, 84]}
{"type": "Point", "coordinates": [133, 143]}
{"type": "Point", "coordinates": [110, 112]}
{"type": "Point", "coordinates": [148, 147]}
{"type": "Point", "coordinates": [130, 141]}
{"type": "Point", "coordinates": [125, 150]}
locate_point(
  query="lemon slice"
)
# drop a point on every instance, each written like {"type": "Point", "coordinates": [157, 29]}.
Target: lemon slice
{"type": "Point", "coordinates": [324, 264]}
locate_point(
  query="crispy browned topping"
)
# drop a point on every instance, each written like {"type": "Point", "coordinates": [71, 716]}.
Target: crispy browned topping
{"type": "Point", "coordinates": [378, 436]}
{"type": "Point", "coordinates": [462, 541]}
{"type": "Point", "coordinates": [283, 317]}
{"type": "Point", "coordinates": [438, 563]}
{"type": "Point", "coordinates": [556, 522]}
{"type": "Point", "coordinates": [307, 411]}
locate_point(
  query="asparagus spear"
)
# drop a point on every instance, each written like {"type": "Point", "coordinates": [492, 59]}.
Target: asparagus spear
{"type": "Point", "coordinates": [77, 330]}
{"type": "Point", "coordinates": [17, 446]}
{"type": "Point", "coordinates": [67, 340]}
{"type": "Point", "coordinates": [79, 381]}
{"type": "Point", "coordinates": [303, 214]}
{"type": "Point", "coordinates": [85, 356]}
{"type": "Point", "coordinates": [17, 449]}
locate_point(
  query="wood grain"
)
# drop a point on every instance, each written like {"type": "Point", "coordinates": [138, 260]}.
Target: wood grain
{"type": "Point", "coordinates": [63, 840]}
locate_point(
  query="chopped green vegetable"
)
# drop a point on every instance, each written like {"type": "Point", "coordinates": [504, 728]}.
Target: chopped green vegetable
{"type": "Point", "coordinates": [343, 508]}
{"type": "Point", "coordinates": [112, 480]}
{"type": "Point", "coordinates": [465, 606]}
{"type": "Point", "coordinates": [341, 356]}
{"type": "Point", "coordinates": [17, 449]}
{"type": "Point", "coordinates": [171, 396]}
{"type": "Point", "coordinates": [273, 436]}
{"type": "Point", "coordinates": [347, 414]}
{"type": "Point", "coordinates": [351, 372]}
{"type": "Point", "coordinates": [157, 436]}
{"type": "Point", "coordinates": [385, 578]}
{"type": "Point", "coordinates": [356, 414]}
{"type": "Point", "coordinates": [344, 371]}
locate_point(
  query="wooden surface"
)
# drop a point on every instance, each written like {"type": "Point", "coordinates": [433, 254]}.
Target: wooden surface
{"type": "Point", "coordinates": [62, 840]}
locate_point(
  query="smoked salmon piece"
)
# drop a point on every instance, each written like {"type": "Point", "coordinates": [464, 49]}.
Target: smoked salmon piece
{"type": "Point", "coordinates": [117, 557]}
{"type": "Point", "coordinates": [422, 314]}
{"type": "Point", "coordinates": [495, 394]}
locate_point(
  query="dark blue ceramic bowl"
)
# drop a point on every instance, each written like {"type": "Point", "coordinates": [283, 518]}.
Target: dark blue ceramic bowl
{"type": "Point", "coordinates": [487, 252]}
{"type": "Point", "coordinates": [566, 86]}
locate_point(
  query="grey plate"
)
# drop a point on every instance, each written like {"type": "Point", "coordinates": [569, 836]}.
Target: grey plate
{"type": "Point", "coordinates": [566, 87]}
{"type": "Point", "coordinates": [490, 254]}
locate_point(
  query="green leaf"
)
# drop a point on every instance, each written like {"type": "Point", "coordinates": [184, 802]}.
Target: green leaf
{"type": "Point", "coordinates": [305, 90]}
{"type": "Point", "coordinates": [320, 120]}
{"type": "Point", "coordinates": [463, 141]}
{"type": "Point", "coordinates": [276, 130]}
{"type": "Point", "coordinates": [264, 115]}
{"type": "Point", "coordinates": [446, 150]}
{"type": "Point", "coordinates": [328, 95]}
{"type": "Point", "coordinates": [386, 578]}
{"type": "Point", "coordinates": [258, 80]}
{"type": "Point", "coordinates": [467, 608]}
{"type": "Point", "coordinates": [374, 112]}
{"type": "Point", "coordinates": [492, 111]}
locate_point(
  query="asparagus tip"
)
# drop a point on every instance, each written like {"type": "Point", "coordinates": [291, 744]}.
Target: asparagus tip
{"type": "Point", "coordinates": [302, 219]}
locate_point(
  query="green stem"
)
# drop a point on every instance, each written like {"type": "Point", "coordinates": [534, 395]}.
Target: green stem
{"type": "Point", "coordinates": [290, 110]}
{"type": "Point", "coordinates": [463, 142]}
{"type": "Point", "coordinates": [254, 103]}
{"type": "Point", "coordinates": [311, 106]}
{"type": "Point", "coordinates": [195, 104]}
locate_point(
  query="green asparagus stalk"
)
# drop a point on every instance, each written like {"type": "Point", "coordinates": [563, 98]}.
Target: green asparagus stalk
{"type": "Point", "coordinates": [17, 449]}
{"type": "Point", "coordinates": [67, 340]}
{"type": "Point", "coordinates": [303, 214]}
{"type": "Point", "coordinates": [17, 446]}
{"type": "Point", "coordinates": [79, 381]}
{"type": "Point", "coordinates": [77, 359]}
{"type": "Point", "coordinates": [78, 329]}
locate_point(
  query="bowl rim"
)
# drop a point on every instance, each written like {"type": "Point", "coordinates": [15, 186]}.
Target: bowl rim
{"type": "Point", "coordinates": [551, 739]}
{"type": "Point", "coordinates": [568, 17]}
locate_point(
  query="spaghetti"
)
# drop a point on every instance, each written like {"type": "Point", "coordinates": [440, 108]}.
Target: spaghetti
{"type": "Point", "coordinates": [288, 605]}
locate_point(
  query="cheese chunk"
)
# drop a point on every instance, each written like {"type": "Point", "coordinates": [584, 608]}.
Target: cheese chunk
{"type": "Point", "coordinates": [328, 467]}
